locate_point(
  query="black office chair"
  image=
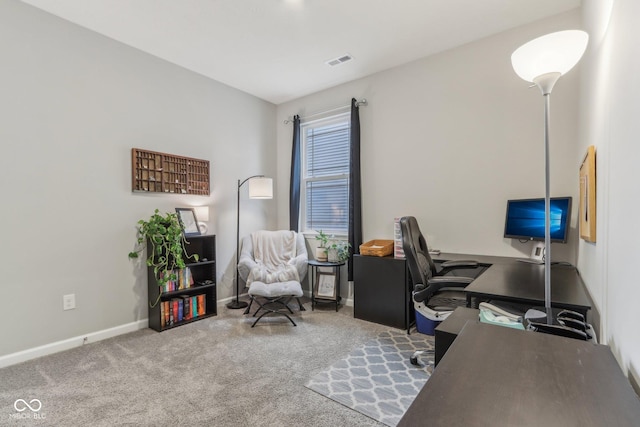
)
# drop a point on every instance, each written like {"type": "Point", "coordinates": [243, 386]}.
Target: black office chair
{"type": "Point", "coordinates": [441, 286]}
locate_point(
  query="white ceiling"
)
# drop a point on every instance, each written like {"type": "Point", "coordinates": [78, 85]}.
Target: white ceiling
{"type": "Point", "coordinates": [277, 49]}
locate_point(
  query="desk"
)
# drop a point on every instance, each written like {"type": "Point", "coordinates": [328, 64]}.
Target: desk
{"type": "Point", "coordinates": [510, 280]}
{"type": "Point", "coordinates": [496, 376]}
{"type": "Point", "coordinates": [447, 331]}
{"type": "Point", "coordinates": [382, 291]}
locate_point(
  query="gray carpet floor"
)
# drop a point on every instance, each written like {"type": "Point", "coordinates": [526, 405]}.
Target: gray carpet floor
{"type": "Point", "coordinates": [215, 372]}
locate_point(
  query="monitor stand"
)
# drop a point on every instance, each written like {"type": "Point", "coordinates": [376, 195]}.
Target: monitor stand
{"type": "Point", "coordinates": [537, 254]}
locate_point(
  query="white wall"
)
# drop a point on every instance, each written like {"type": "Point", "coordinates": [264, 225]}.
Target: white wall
{"type": "Point", "coordinates": [74, 103]}
{"type": "Point", "coordinates": [610, 100]}
{"type": "Point", "coordinates": [450, 138]}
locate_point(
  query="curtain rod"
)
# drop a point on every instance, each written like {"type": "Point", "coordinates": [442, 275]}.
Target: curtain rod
{"type": "Point", "coordinates": [358, 103]}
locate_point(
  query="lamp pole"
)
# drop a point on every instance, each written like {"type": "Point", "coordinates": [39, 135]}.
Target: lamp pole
{"type": "Point", "coordinates": [546, 82]}
{"type": "Point", "coordinates": [235, 304]}
{"type": "Point", "coordinates": [547, 213]}
{"type": "Point", "coordinates": [542, 61]}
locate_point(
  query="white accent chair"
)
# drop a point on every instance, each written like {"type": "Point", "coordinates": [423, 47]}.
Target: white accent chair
{"type": "Point", "coordinates": [273, 290]}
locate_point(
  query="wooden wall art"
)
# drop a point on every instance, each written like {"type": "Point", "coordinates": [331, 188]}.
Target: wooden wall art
{"type": "Point", "coordinates": [153, 172]}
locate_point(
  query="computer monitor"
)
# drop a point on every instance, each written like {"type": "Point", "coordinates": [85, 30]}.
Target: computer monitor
{"type": "Point", "coordinates": [525, 219]}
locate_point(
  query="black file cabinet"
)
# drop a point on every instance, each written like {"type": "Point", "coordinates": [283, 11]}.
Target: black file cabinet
{"type": "Point", "coordinates": [381, 291]}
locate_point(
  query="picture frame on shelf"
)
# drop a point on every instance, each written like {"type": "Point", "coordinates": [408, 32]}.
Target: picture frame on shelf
{"type": "Point", "coordinates": [325, 285]}
{"type": "Point", "coordinates": [188, 221]}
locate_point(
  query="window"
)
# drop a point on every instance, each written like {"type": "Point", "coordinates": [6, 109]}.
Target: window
{"type": "Point", "coordinates": [325, 174]}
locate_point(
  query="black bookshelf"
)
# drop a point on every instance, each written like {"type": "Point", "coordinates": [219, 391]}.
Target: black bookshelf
{"type": "Point", "coordinates": [204, 278]}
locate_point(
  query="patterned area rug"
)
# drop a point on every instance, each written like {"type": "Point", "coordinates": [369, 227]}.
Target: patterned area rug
{"type": "Point", "coordinates": [378, 380]}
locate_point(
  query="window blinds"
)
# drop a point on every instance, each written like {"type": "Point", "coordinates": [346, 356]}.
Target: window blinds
{"type": "Point", "coordinates": [326, 177]}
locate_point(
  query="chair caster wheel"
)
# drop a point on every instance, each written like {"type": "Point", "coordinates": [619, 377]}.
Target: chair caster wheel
{"type": "Point", "coordinates": [414, 359]}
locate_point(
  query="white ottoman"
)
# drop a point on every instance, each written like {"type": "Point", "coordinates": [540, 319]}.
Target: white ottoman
{"type": "Point", "coordinates": [273, 298]}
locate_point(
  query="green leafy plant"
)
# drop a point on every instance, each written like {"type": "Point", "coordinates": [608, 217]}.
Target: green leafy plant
{"type": "Point", "coordinates": [342, 249]}
{"type": "Point", "coordinates": [323, 238]}
{"type": "Point", "coordinates": [166, 246]}
{"type": "Point", "coordinates": [321, 250]}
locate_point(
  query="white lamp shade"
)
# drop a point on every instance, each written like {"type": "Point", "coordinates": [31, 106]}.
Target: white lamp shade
{"type": "Point", "coordinates": [553, 53]}
{"type": "Point", "coordinates": [260, 188]}
{"type": "Point", "coordinates": [202, 213]}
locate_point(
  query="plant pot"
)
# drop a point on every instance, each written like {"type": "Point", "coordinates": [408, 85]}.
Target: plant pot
{"type": "Point", "coordinates": [321, 254]}
{"type": "Point", "coordinates": [332, 255]}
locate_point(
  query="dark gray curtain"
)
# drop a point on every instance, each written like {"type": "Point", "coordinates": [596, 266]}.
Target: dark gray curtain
{"type": "Point", "coordinates": [355, 191]}
{"type": "Point", "coordinates": [294, 182]}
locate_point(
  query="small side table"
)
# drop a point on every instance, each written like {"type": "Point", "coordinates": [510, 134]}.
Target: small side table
{"type": "Point", "coordinates": [315, 298]}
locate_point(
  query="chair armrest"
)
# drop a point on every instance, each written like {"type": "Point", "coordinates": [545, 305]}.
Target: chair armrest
{"type": "Point", "coordinates": [246, 262]}
{"type": "Point", "coordinates": [468, 267]}
{"type": "Point", "coordinates": [436, 283]}
{"type": "Point", "coordinates": [245, 266]}
{"type": "Point", "coordinates": [459, 264]}
{"type": "Point", "coordinates": [301, 264]}
{"type": "Point", "coordinates": [448, 281]}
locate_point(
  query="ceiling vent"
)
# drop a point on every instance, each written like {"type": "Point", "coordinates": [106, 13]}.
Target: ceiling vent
{"type": "Point", "coordinates": [339, 60]}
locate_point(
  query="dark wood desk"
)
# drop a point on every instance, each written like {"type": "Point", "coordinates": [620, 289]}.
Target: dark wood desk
{"type": "Point", "coordinates": [510, 280]}
{"type": "Point", "coordinates": [382, 291]}
{"type": "Point", "coordinates": [447, 331]}
{"type": "Point", "coordinates": [496, 376]}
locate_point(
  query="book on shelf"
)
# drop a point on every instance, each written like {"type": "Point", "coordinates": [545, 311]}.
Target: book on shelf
{"type": "Point", "coordinates": [174, 304]}
{"type": "Point", "coordinates": [186, 301]}
{"type": "Point", "coordinates": [163, 321]}
{"type": "Point", "coordinates": [184, 280]}
{"type": "Point", "coordinates": [182, 308]}
{"type": "Point", "coordinates": [201, 304]}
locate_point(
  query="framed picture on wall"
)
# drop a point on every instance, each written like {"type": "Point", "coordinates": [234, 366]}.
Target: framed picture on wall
{"type": "Point", "coordinates": [188, 221]}
{"type": "Point", "coordinates": [587, 211]}
{"type": "Point", "coordinates": [325, 285]}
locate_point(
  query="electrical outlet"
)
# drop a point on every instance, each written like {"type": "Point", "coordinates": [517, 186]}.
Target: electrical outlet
{"type": "Point", "coordinates": [69, 302]}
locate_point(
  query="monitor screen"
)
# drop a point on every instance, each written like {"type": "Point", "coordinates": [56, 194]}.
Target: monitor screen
{"type": "Point", "coordinates": [525, 219]}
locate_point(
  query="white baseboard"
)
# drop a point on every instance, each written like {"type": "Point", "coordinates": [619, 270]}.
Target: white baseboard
{"type": "Point", "coordinates": [55, 347]}
{"type": "Point", "coordinates": [222, 302]}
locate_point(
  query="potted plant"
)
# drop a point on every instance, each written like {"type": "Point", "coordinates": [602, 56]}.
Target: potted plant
{"type": "Point", "coordinates": [321, 250]}
{"type": "Point", "coordinates": [339, 251]}
{"type": "Point", "coordinates": [165, 247]}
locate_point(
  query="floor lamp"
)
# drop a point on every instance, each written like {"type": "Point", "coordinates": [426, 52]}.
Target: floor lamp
{"type": "Point", "coordinates": [542, 61]}
{"type": "Point", "coordinates": [260, 187]}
